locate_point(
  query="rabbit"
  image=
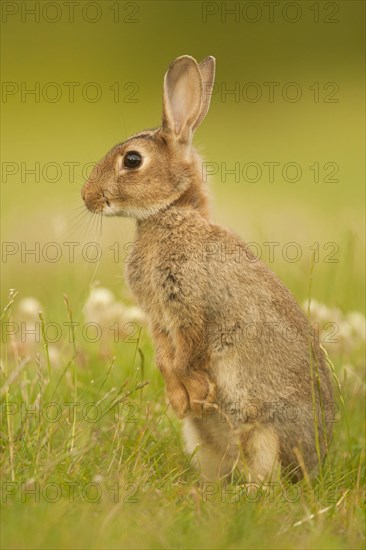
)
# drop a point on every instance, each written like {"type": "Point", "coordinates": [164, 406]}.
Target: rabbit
{"type": "Point", "coordinates": [241, 365]}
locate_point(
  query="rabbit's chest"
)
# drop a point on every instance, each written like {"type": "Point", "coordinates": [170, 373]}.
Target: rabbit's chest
{"type": "Point", "coordinates": [155, 281]}
{"type": "Point", "coordinates": [140, 277]}
{"type": "Point", "coordinates": [138, 274]}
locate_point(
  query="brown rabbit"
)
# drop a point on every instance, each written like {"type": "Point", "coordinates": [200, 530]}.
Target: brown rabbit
{"type": "Point", "coordinates": [236, 352]}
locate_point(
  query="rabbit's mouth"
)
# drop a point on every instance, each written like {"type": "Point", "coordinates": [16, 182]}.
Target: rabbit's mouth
{"type": "Point", "coordinates": [98, 202]}
{"type": "Point", "coordinates": [93, 203]}
{"type": "Point", "coordinates": [110, 209]}
{"type": "Point", "coordinates": [106, 199]}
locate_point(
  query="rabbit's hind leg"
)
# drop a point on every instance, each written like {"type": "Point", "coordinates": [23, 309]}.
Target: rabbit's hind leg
{"type": "Point", "coordinates": [215, 461]}
{"type": "Point", "coordinates": [218, 452]}
{"type": "Point", "coordinates": [261, 450]}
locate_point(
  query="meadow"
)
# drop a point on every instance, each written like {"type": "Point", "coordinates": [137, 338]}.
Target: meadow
{"type": "Point", "coordinates": [91, 454]}
{"type": "Point", "coordinates": [92, 457]}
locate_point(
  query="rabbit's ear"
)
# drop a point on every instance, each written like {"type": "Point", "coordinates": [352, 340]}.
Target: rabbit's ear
{"type": "Point", "coordinates": [207, 68]}
{"type": "Point", "coordinates": [182, 99]}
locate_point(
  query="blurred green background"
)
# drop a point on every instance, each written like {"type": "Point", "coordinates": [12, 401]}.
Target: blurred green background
{"type": "Point", "coordinates": [128, 47]}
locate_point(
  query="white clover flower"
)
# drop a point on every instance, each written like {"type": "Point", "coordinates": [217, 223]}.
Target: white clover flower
{"type": "Point", "coordinates": [135, 314]}
{"type": "Point", "coordinates": [117, 312]}
{"type": "Point", "coordinates": [357, 322]}
{"type": "Point", "coordinates": [349, 328]}
{"type": "Point", "coordinates": [28, 335]}
{"type": "Point", "coordinates": [99, 298]}
{"type": "Point", "coordinates": [112, 316]}
{"type": "Point", "coordinates": [323, 313]}
{"type": "Point", "coordinates": [29, 307]}
{"type": "Point", "coordinates": [344, 330]}
{"type": "Point", "coordinates": [98, 305]}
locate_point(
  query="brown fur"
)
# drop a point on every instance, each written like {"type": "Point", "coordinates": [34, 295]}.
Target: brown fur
{"type": "Point", "coordinates": [246, 397]}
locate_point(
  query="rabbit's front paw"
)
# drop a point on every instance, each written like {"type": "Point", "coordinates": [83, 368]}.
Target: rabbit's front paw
{"type": "Point", "coordinates": [202, 393]}
{"type": "Point", "coordinates": [178, 398]}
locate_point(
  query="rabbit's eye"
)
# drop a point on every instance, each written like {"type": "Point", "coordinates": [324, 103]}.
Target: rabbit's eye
{"type": "Point", "coordinates": [132, 160]}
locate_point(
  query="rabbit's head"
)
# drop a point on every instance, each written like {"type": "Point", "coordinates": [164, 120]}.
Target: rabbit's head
{"type": "Point", "coordinates": [156, 168]}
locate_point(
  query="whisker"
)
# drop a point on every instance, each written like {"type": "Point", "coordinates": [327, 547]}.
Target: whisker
{"type": "Point", "coordinates": [77, 226]}
{"type": "Point", "coordinates": [81, 224]}
{"type": "Point", "coordinates": [89, 226]}
{"type": "Point", "coordinates": [79, 207]}
{"type": "Point", "coordinates": [101, 225]}
{"type": "Point", "coordinates": [76, 219]}
{"type": "Point", "coordinates": [92, 229]}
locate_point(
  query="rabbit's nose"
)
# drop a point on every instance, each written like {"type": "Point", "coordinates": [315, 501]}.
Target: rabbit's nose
{"type": "Point", "coordinates": [82, 192]}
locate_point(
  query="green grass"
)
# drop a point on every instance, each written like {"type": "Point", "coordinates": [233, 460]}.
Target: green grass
{"type": "Point", "coordinates": [114, 474]}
